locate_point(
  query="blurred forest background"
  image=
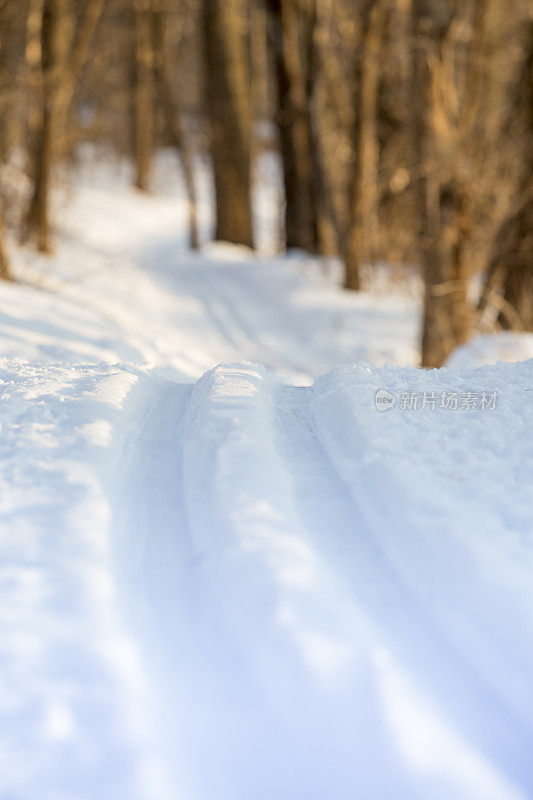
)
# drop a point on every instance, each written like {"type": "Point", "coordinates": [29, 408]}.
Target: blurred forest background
{"type": "Point", "coordinates": [404, 129]}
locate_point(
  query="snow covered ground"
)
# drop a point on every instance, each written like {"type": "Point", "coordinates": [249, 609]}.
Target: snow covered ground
{"type": "Point", "coordinates": [509, 346]}
{"type": "Point", "coordinates": [236, 561]}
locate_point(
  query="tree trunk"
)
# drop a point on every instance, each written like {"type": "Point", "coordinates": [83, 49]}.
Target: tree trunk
{"type": "Point", "coordinates": [34, 68]}
{"type": "Point", "coordinates": [38, 219]}
{"type": "Point", "coordinates": [509, 279]}
{"type": "Point", "coordinates": [448, 313]}
{"type": "Point", "coordinates": [518, 286]}
{"type": "Point", "coordinates": [64, 49]}
{"type": "Point", "coordinates": [4, 78]}
{"type": "Point", "coordinates": [360, 238]}
{"type": "Point", "coordinates": [143, 96]}
{"type": "Point", "coordinates": [292, 34]}
{"type": "Point", "coordinates": [442, 202]}
{"type": "Point", "coordinates": [513, 260]}
{"type": "Point", "coordinates": [230, 113]}
{"type": "Point", "coordinates": [5, 272]}
{"type": "Point", "coordinates": [55, 36]}
{"type": "Point", "coordinates": [173, 117]}
{"type": "Point", "coordinates": [510, 270]}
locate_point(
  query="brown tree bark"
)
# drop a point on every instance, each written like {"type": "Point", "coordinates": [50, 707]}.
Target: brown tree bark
{"type": "Point", "coordinates": [5, 271]}
{"type": "Point", "coordinates": [360, 238]}
{"type": "Point", "coordinates": [64, 49]}
{"type": "Point", "coordinates": [518, 255]}
{"type": "Point", "coordinates": [443, 203]}
{"type": "Point", "coordinates": [510, 272]}
{"type": "Point", "coordinates": [230, 114]}
{"type": "Point", "coordinates": [518, 284]}
{"type": "Point", "coordinates": [34, 67]}
{"type": "Point", "coordinates": [55, 37]}
{"type": "Point", "coordinates": [292, 31]}
{"type": "Point", "coordinates": [143, 95]}
{"type": "Point", "coordinates": [509, 279]}
{"type": "Point", "coordinates": [173, 116]}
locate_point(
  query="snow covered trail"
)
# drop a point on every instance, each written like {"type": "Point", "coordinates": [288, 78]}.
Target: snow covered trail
{"type": "Point", "coordinates": [124, 289]}
{"type": "Point", "coordinates": [286, 649]}
{"type": "Point", "coordinates": [304, 655]}
{"type": "Point", "coordinates": [226, 578]}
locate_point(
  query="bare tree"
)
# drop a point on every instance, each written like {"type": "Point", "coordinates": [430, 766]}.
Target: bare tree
{"type": "Point", "coordinates": [65, 45]}
{"type": "Point", "coordinates": [5, 271]}
{"type": "Point", "coordinates": [514, 255]}
{"type": "Point", "coordinates": [292, 30]}
{"type": "Point", "coordinates": [509, 277]}
{"type": "Point", "coordinates": [360, 237]}
{"type": "Point", "coordinates": [464, 73]}
{"type": "Point", "coordinates": [443, 208]}
{"type": "Point", "coordinates": [143, 93]}
{"type": "Point", "coordinates": [230, 113]}
{"type": "Point", "coordinates": [173, 114]}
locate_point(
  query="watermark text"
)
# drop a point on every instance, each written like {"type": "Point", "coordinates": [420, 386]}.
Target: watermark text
{"type": "Point", "coordinates": [448, 400]}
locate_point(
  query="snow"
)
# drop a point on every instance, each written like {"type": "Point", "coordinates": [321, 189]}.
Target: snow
{"type": "Point", "coordinates": [509, 346]}
{"type": "Point", "coordinates": [447, 507]}
{"type": "Point", "coordinates": [226, 573]}
{"type": "Point", "coordinates": [69, 671]}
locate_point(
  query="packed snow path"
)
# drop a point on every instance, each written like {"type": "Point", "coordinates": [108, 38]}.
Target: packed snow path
{"type": "Point", "coordinates": [233, 582]}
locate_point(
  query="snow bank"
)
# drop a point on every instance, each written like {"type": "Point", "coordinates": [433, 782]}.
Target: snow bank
{"type": "Point", "coordinates": [509, 346]}
{"type": "Point", "coordinates": [71, 689]}
{"type": "Point", "coordinates": [448, 496]}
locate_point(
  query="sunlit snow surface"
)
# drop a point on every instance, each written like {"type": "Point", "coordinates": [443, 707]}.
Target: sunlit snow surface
{"type": "Point", "coordinates": [509, 346]}
{"type": "Point", "coordinates": [246, 581]}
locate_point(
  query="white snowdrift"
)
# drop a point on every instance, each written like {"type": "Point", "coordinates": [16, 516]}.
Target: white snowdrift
{"type": "Point", "coordinates": [508, 346]}
{"type": "Point", "coordinates": [74, 722]}
{"type": "Point", "coordinates": [448, 499]}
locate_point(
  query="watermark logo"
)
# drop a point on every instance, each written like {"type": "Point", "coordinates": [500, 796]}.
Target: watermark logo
{"type": "Point", "coordinates": [384, 400]}
{"type": "Point", "coordinates": [445, 400]}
